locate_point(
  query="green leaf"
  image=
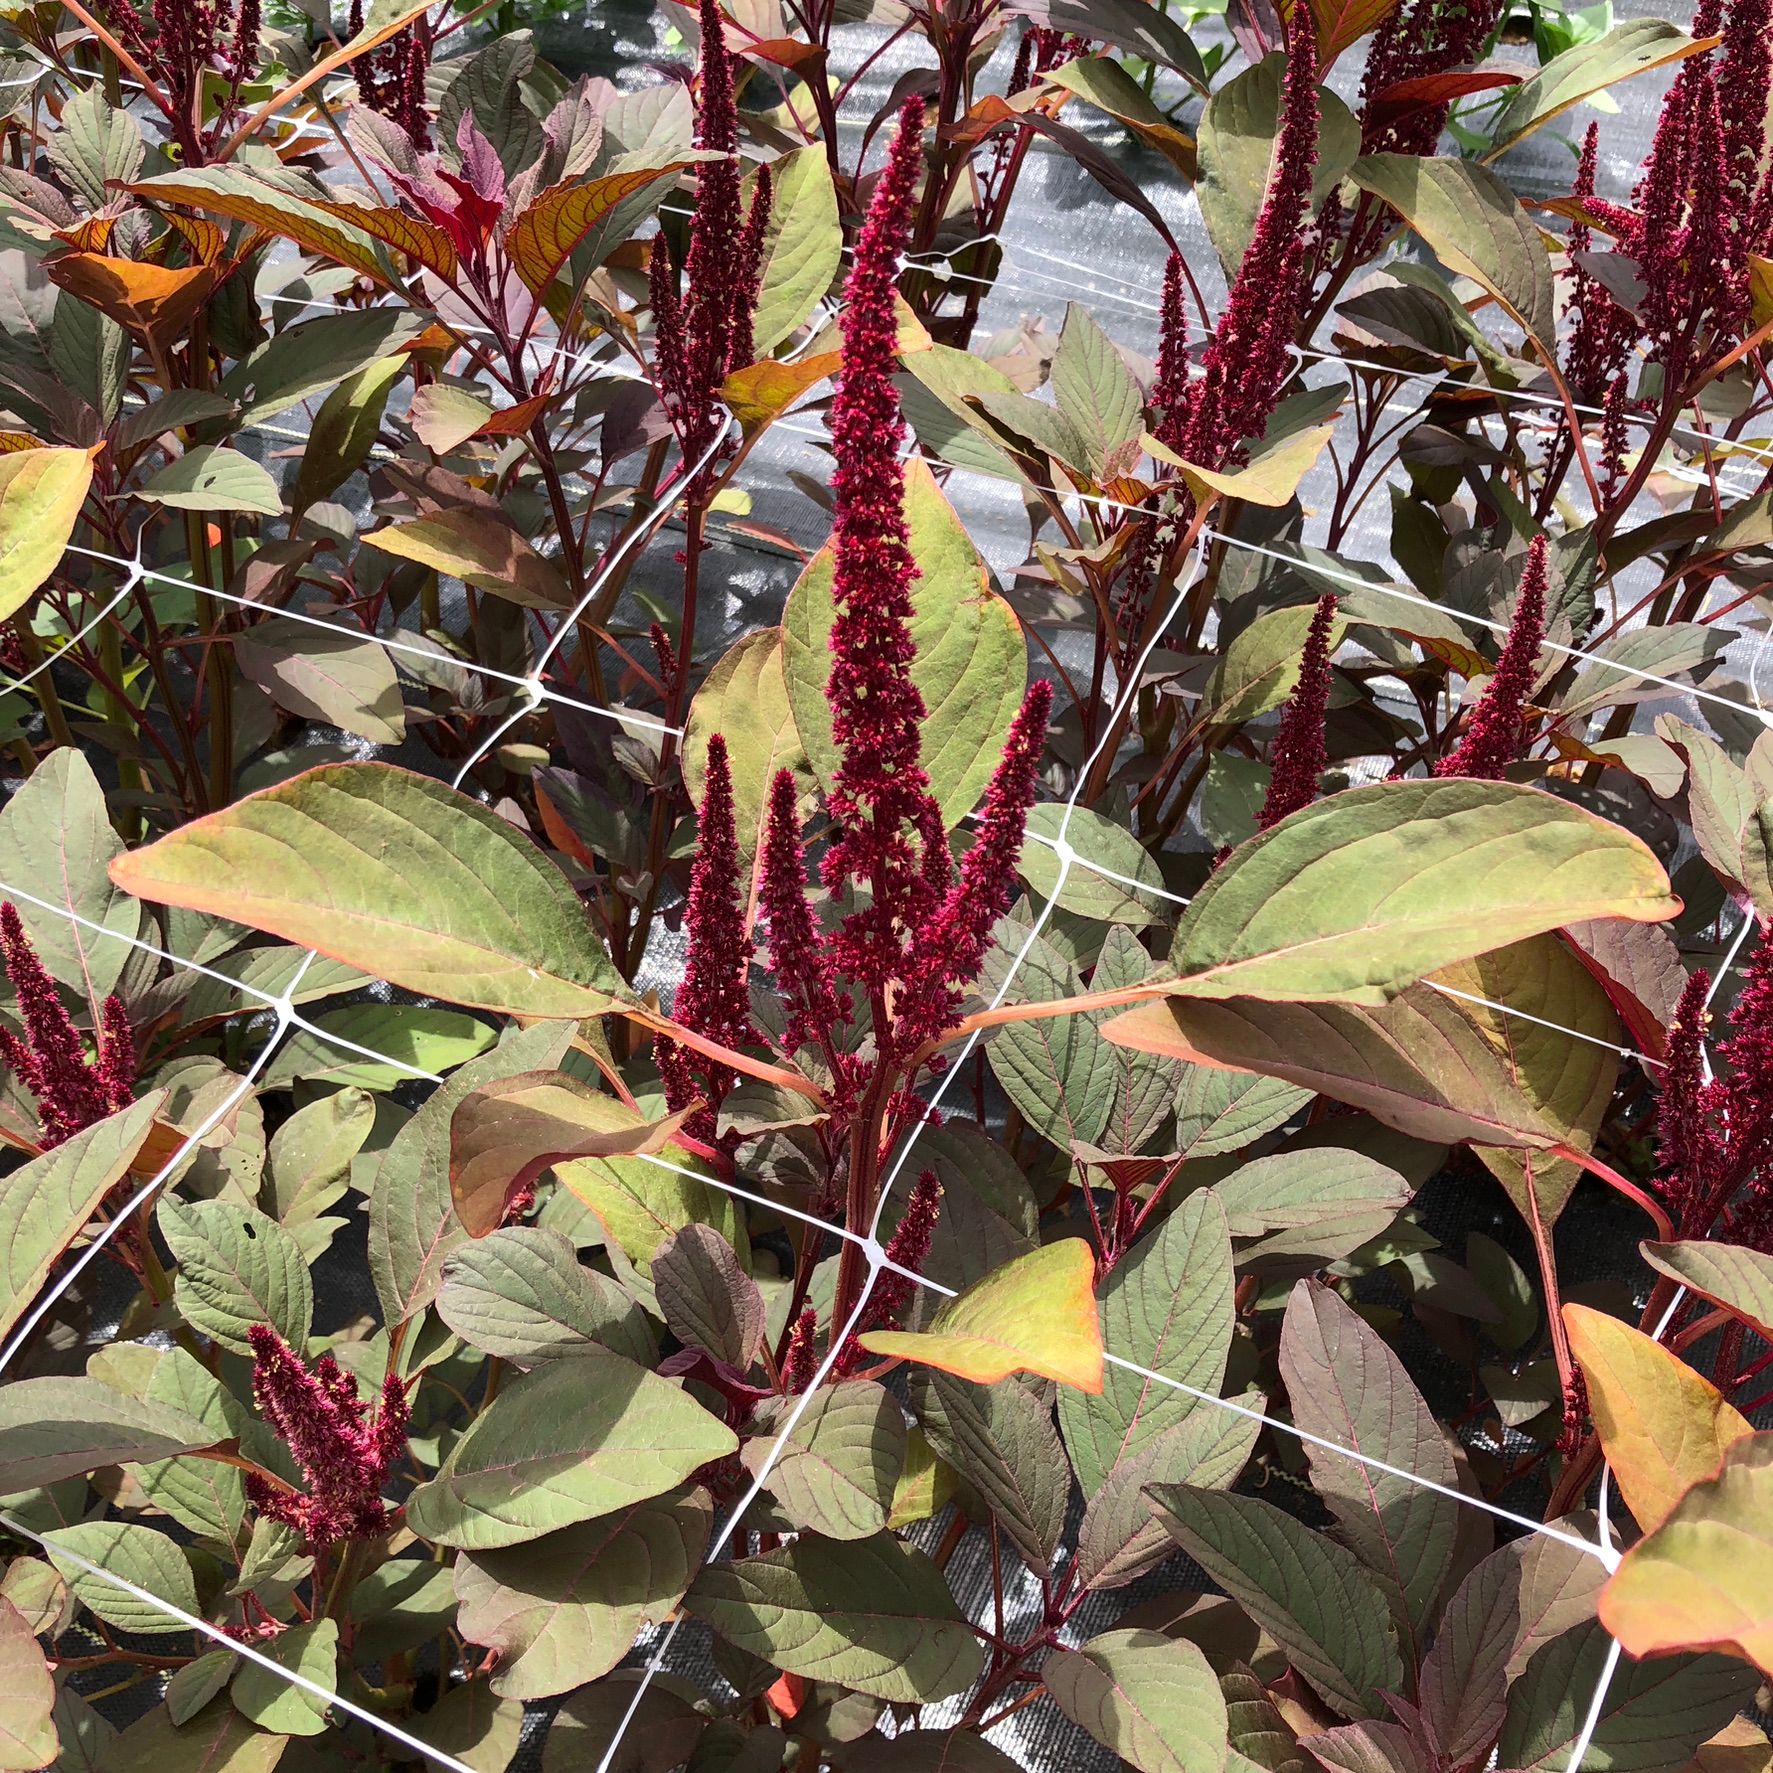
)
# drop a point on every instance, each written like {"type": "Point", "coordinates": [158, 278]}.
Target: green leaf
{"type": "Point", "coordinates": [1633, 46]}
{"type": "Point", "coordinates": [1739, 1279]}
{"type": "Point", "coordinates": [476, 1727]}
{"type": "Point", "coordinates": [1151, 1699]}
{"type": "Point", "coordinates": [1359, 895]}
{"type": "Point", "coordinates": [342, 680]}
{"type": "Point", "coordinates": [1475, 226]}
{"type": "Point", "coordinates": [1311, 1204]}
{"type": "Point", "coordinates": [640, 1205]}
{"type": "Point", "coordinates": [1167, 1306]}
{"type": "Point", "coordinates": [566, 1608]}
{"type": "Point", "coordinates": [217, 1740]}
{"type": "Point", "coordinates": [211, 477]}
{"type": "Point", "coordinates": [41, 492]}
{"type": "Point", "coordinates": [1515, 1600]}
{"type": "Point", "coordinates": [411, 1036]}
{"type": "Point", "coordinates": [1221, 1111]}
{"type": "Point", "coordinates": [481, 549]}
{"type": "Point", "coordinates": [56, 841]}
{"type": "Point", "coordinates": [521, 1293]}
{"type": "Point", "coordinates": [870, 1614]}
{"type": "Point", "coordinates": [1237, 132]}
{"type": "Point", "coordinates": [413, 1228]}
{"type": "Point", "coordinates": [1097, 393]}
{"type": "Point", "coordinates": [1270, 477]}
{"type": "Point", "coordinates": [1259, 669]}
{"type": "Point", "coordinates": [570, 1441]}
{"type": "Point", "coordinates": [303, 361]}
{"type": "Point", "coordinates": [1655, 1714]}
{"type": "Point", "coordinates": [308, 1164]}
{"type": "Point", "coordinates": [745, 699]}
{"type": "Point", "coordinates": [836, 1473]}
{"type": "Point", "coordinates": [1085, 890]}
{"type": "Point", "coordinates": [802, 246]}
{"type": "Point", "coordinates": [1311, 1595]}
{"type": "Point", "coordinates": [1347, 1386]}
{"type": "Point", "coordinates": [926, 1751]}
{"type": "Point", "coordinates": [707, 1299]}
{"type": "Point", "coordinates": [98, 145]}
{"type": "Point", "coordinates": [45, 1204]}
{"type": "Point", "coordinates": [506, 1132]}
{"type": "Point", "coordinates": [398, 874]}
{"type": "Point", "coordinates": [592, 1733]}
{"type": "Point", "coordinates": [273, 1703]}
{"type": "Point", "coordinates": [236, 1267]}
{"type": "Point", "coordinates": [1000, 1438]}
{"type": "Point", "coordinates": [1036, 1314]}
{"type": "Point", "coordinates": [28, 1739]}
{"type": "Point", "coordinates": [233, 192]}
{"type": "Point", "coordinates": [1119, 1539]}
{"type": "Point", "coordinates": [202, 1494]}
{"type": "Point", "coordinates": [1110, 88]}
{"type": "Point", "coordinates": [971, 665]}
{"type": "Point", "coordinates": [52, 1429]}
{"type": "Point", "coordinates": [1128, 24]}
{"type": "Point", "coordinates": [137, 1554]}
{"type": "Point", "coordinates": [345, 429]}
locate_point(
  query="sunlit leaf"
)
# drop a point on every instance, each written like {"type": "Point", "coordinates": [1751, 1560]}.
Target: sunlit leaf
{"type": "Point", "coordinates": [802, 247]}
{"type": "Point", "coordinates": [28, 1737]}
{"type": "Point", "coordinates": [1151, 1699]}
{"type": "Point", "coordinates": [566, 216]}
{"type": "Point", "coordinates": [56, 1428]}
{"type": "Point", "coordinates": [1036, 1314]}
{"type": "Point", "coordinates": [1730, 1275]}
{"type": "Point", "coordinates": [41, 492]}
{"type": "Point", "coordinates": [481, 550]}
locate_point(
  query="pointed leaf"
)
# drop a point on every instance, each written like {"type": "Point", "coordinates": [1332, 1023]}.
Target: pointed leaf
{"type": "Point", "coordinates": [41, 492]}
{"type": "Point", "coordinates": [241, 196]}
{"type": "Point", "coordinates": [707, 1299]}
{"type": "Point", "coordinates": [570, 1441]}
{"type": "Point", "coordinates": [1739, 1279]}
{"type": "Point", "coordinates": [51, 1429]}
{"type": "Point", "coordinates": [1036, 1314]}
{"type": "Point", "coordinates": [237, 1267]}
{"type": "Point", "coordinates": [1152, 1700]}
{"type": "Point", "coordinates": [566, 216]}
{"type": "Point", "coordinates": [1663, 1427]}
{"type": "Point", "coordinates": [343, 680]}
{"type": "Point", "coordinates": [1359, 895]}
{"type": "Point", "coordinates": [870, 1614]}
{"type": "Point", "coordinates": [396, 873]}
{"type": "Point", "coordinates": [481, 549]}
{"type": "Point", "coordinates": [28, 1738]}
{"type": "Point", "coordinates": [836, 1474]}
{"type": "Point", "coordinates": [802, 247]}
{"type": "Point", "coordinates": [138, 1554]}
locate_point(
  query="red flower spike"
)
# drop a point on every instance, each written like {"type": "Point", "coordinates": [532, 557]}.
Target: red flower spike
{"type": "Point", "coordinates": [1604, 332]}
{"type": "Point", "coordinates": [953, 948]}
{"type": "Point", "coordinates": [1299, 759]}
{"type": "Point", "coordinates": [670, 364]}
{"type": "Point", "coordinates": [909, 1248]}
{"type": "Point", "coordinates": [1418, 40]}
{"type": "Point", "coordinates": [1493, 734]}
{"type": "Point", "coordinates": [800, 1363]}
{"type": "Point", "coordinates": [345, 1455]}
{"type": "Point", "coordinates": [797, 955]}
{"type": "Point", "coordinates": [71, 1092]}
{"type": "Point", "coordinates": [1249, 360]}
{"type": "Point", "coordinates": [748, 283]}
{"type": "Point", "coordinates": [714, 999]}
{"type": "Point", "coordinates": [880, 790]}
{"type": "Point", "coordinates": [1169, 392]}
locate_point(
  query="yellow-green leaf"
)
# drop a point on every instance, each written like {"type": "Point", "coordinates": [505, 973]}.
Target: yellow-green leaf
{"type": "Point", "coordinates": [1703, 1580]}
{"type": "Point", "coordinates": [41, 492]}
{"type": "Point", "coordinates": [395, 874]}
{"type": "Point", "coordinates": [1663, 1426]}
{"type": "Point", "coordinates": [481, 550]}
{"type": "Point", "coordinates": [1270, 477]}
{"type": "Point", "coordinates": [1036, 1314]}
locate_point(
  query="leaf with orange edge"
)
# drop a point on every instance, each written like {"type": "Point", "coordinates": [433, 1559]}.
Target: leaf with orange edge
{"type": "Point", "coordinates": [506, 1133]}
{"type": "Point", "coordinates": [152, 299]}
{"type": "Point", "coordinates": [1343, 23]}
{"type": "Point", "coordinates": [1035, 1314]}
{"type": "Point", "coordinates": [552, 228]}
{"type": "Point", "coordinates": [1704, 1579]}
{"type": "Point", "coordinates": [410, 234]}
{"type": "Point", "coordinates": [761, 392]}
{"type": "Point", "coordinates": [201, 235]}
{"type": "Point", "coordinates": [238, 195]}
{"type": "Point", "coordinates": [1663, 1427]}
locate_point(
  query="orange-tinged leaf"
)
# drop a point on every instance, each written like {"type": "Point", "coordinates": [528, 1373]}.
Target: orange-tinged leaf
{"type": "Point", "coordinates": [506, 1133]}
{"type": "Point", "coordinates": [41, 493]}
{"type": "Point", "coordinates": [150, 298]}
{"type": "Point", "coordinates": [1036, 1314]}
{"type": "Point", "coordinates": [542, 238]}
{"type": "Point", "coordinates": [1343, 23]}
{"type": "Point", "coordinates": [760, 393]}
{"type": "Point", "coordinates": [514, 421]}
{"type": "Point", "coordinates": [1704, 1579]}
{"type": "Point", "coordinates": [1663, 1427]}
{"type": "Point", "coordinates": [203, 237]}
{"type": "Point", "coordinates": [410, 234]}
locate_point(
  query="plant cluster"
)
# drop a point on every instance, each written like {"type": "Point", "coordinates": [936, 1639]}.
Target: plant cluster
{"type": "Point", "coordinates": [1141, 1020]}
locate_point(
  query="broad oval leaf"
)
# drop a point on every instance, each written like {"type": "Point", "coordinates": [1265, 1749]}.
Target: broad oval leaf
{"type": "Point", "coordinates": [481, 549]}
{"type": "Point", "coordinates": [1663, 1426]}
{"type": "Point", "coordinates": [707, 1299]}
{"type": "Point", "coordinates": [56, 1428]}
{"type": "Point", "coordinates": [569, 1442]}
{"type": "Point", "coordinates": [237, 1267]}
{"type": "Point", "coordinates": [836, 1472]}
{"type": "Point", "coordinates": [344, 680]}
{"type": "Point", "coordinates": [870, 1614]}
{"type": "Point", "coordinates": [138, 1554]}
{"type": "Point", "coordinates": [1036, 1314]}
{"type": "Point", "coordinates": [971, 664]}
{"type": "Point", "coordinates": [1153, 1700]}
{"type": "Point", "coordinates": [1359, 895]}
{"type": "Point", "coordinates": [394, 873]}
{"type": "Point", "coordinates": [508, 1131]}
{"type": "Point", "coordinates": [1739, 1279]}
{"type": "Point", "coordinates": [802, 246]}
{"type": "Point", "coordinates": [41, 492]}
{"type": "Point", "coordinates": [1701, 1579]}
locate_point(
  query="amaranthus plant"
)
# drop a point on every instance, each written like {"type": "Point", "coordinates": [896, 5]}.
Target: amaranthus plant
{"type": "Point", "coordinates": [769, 1005]}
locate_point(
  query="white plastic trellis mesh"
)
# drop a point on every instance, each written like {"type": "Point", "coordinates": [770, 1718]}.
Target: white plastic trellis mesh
{"type": "Point", "coordinates": [534, 690]}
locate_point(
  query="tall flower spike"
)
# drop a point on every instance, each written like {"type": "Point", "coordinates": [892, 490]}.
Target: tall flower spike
{"type": "Point", "coordinates": [908, 1248]}
{"type": "Point", "coordinates": [1169, 393]}
{"type": "Point", "coordinates": [748, 282]}
{"type": "Point", "coordinates": [1299, 759]}
{"type": "Point", "coordinates": [714, 999]}
{"type": "Point", "coordinates": [797, 956]}
{"type": "Point", "coordinates": [1248, 362]}
{"type": "Point", "coordinates": [952, 950]}
{"type": "Point", "coordinates": [880, 788]}
{"type": "Point", "coordinates": [1687, 1145]}
{"type": "Point", "coordinates": [71, 1092]}
{"type": "Point", "coordinates": [1493, 734]}
{"type": "Point", "coordinates": [345, 1455]}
